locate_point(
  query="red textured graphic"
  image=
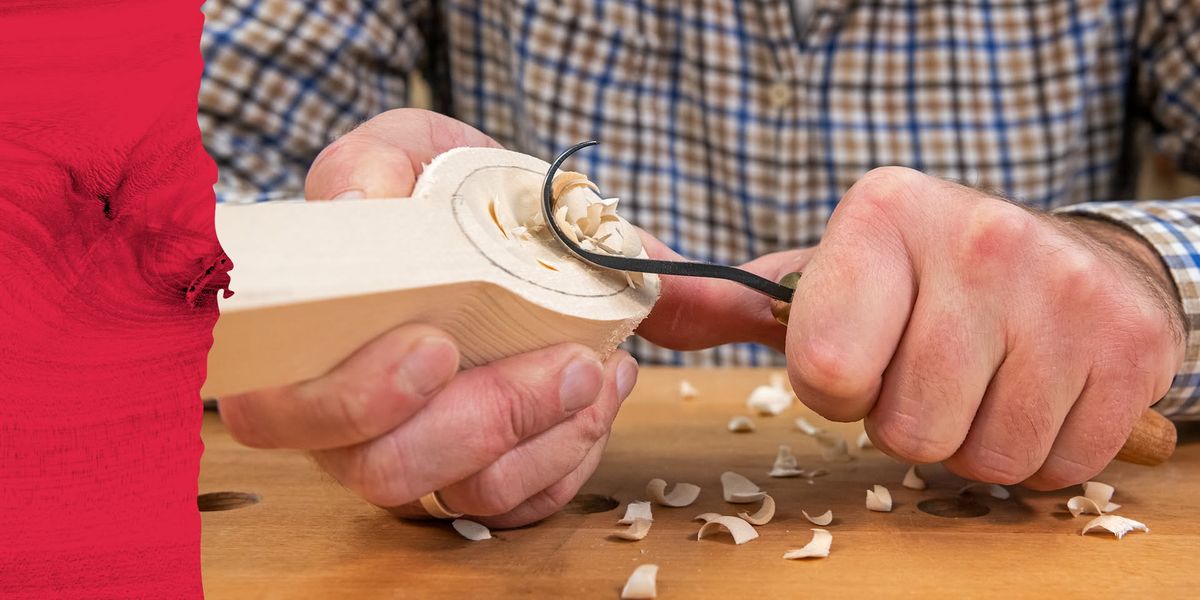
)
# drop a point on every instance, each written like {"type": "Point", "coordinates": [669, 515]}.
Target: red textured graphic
{"type": "Point", "coordinates": [108, 274]}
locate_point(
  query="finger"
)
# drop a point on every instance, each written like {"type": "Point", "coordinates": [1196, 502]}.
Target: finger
{"type": "Point", "coordinates": [477, 418]}
{"type": "Point", "coordinates": [1018, 420]}
{"type": "Point", "coordinates": [1093, 432]}
{"type": "Point", "coordinates": [542, 460]}
{"type": "Point", "coordinates": [694, 312]}
{"type": "Point", "coordinates": [936, 379]}
{"type": "Point", "coordinates": [550, 500]}
{"type": "Point", "coordinates": [383, 157]}
{"type": "Point", "coordinates": [380, 386]}
{"type": "Point", "coordinates": [852, 304]}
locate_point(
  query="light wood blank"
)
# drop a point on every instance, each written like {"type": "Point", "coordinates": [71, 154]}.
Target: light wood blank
{"type": "Point", "coordinates": [314, 281]}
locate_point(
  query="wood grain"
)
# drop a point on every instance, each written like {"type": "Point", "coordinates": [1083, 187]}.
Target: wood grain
{"type": "Point", "coordinates": [309, 538]}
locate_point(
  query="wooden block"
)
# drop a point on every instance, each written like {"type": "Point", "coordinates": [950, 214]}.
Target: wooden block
{"type": "Point", "coordinates": [314, 281]}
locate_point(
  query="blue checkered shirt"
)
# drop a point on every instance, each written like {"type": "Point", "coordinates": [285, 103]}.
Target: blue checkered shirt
{"type": "Point", "coordinates": [732, 128]}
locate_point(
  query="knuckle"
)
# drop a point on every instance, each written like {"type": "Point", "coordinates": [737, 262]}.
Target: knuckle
{"type": "Point", "coordinates": [380, 482]}
{"type": "Point", "coordinates": [1075, 274]}
{"type": "Point", "coordinates": [593, 425]}
{"type": "Point", "coordinates": [994, 234]}
{"type": "Point", "coordinates": [489, 493]}
{"type": "Point", "coordinates": [881, 191]}
{"type": "Point", "coordinates": [1061, 470]}
{"type": "Point", "coordinates": [820, 370]}
{"type": "Point", "coordinates": [242, 427]}
{"type": "Point", "coordinates": [983, 462]}
{"type": "Point", "coordinates": [903, 438]}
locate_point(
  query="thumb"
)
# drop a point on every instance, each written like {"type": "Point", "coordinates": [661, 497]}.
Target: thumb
{"type": "Point", "coordinates": [695, 313]}
{"type": "Point", "coordinates": [383, 157]}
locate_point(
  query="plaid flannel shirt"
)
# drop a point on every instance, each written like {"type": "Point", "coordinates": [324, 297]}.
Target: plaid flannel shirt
{"type": "Point", "coordinates": [731, 128]}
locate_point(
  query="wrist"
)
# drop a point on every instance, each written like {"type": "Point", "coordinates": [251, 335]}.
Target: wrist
{"type": "Point", "coordinates": [1126, 242]}
{"type": "Point", "coordinates": [1137, 252]}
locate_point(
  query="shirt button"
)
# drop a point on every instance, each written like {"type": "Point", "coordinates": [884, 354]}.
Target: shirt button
{"type": "Point", "coordinates": [780, 94]}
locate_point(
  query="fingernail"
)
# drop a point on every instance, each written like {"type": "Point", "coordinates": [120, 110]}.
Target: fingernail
{"type": "Point", "coordinates": [581, 382]}
{"type": "Point", "coordinates": [627, 374]}
{"type": "Point", "coordinates": [428, 365]}
{"type": "Point", "coordinates": [351, 194]}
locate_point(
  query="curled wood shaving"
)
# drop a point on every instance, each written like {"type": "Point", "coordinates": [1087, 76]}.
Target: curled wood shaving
{"type": "Point", "coordinates": [471, 530]}
{"type": "Point", "coordinates": [683, 494]}
{"type": "Point", "coordinates": [768, 400]}
{"type": "Point", "coordinates": [879, 499]}
{"type": "Point", "coordinates": [818, 547]}
{"type": "Point", "coordinates": [785, 464]}
{"type": "Point", "coordinates": [687, 391]}
{"type": "Point", "coordinates": [741, 531]}
{"type": "Point", "coordinates": [912, 479]}
{"type": "Point", "coordinates": [741, 425]}
{"type": "Point", "coordinates": [822, 520]}
{"type": "Point", "coordinates": [636, 510]}
{"type": "Point", "coordinates": [1101, 494]}
{"type": "Point", "coordinates": [637, 530]}
{"type": "Point", "coordinates": [864, 441]}
{"type": "Point", "coordinates": [642, 583]}
{"type": "Point", "coordinates": [993, 490]}
{"type": "Point", "coordinates": [833, 447]}
{"type": "Point", "coordinates": [1082, 505]}
{"type": "Point", "coordinates": [706, 517]}
{"type": "Point", "coordinates": [1119, 526]}
{"type": "Point", "coordinates": [764, 514]}
{"type": "Point", "coordinates": [737, 489]}
{"type": "Point", "coordinates": [585, 218]}
{"type": "Point", "coordinates": [808, 428]}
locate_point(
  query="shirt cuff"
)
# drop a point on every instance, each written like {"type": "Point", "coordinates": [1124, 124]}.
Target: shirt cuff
{"type": "Point", "coordinates": [1173, 229]}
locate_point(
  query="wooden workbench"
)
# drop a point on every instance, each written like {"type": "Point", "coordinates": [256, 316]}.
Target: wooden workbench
{"type": "Point", "coordinates": [309, 538]}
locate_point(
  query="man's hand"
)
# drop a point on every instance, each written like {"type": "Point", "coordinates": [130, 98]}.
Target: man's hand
{"type": "Point", "coordinates": [510, 442]}
{"type": "Point", "coordinates": [1015, 346]}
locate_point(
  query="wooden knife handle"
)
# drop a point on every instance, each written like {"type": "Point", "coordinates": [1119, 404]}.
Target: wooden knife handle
{"type": "Point", "coordinates": [1152, 441]}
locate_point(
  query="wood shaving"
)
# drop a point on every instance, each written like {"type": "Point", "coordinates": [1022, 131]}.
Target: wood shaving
{"type": "Point", "coordinates": [471, 530]}
{"type": "Point", "coordinates": [737, 489]}
{"type": "Point", "coordinates": [993, 490]}
{"type": "Point", "coordinates": [683, 494]}
{"type": "Point", "coordinates": [741, 425]}
{"type": "Point", "coordinates": [768, 400]}
{"type": "Point", "coordinates": [1101, 494]}
{"type": "Point", "coordinates": [818, 547]}
{"type": "Point", "coordinates": [864, 441]}
{"type": "Point", "coordinates": [706, 517]}
{"type": "Point", "coordinates": [636, 510]}
{"type": "Point", "coordinates": [764, 514]}
{"type": "Point", "coordinates": [687, 391]}
{"type": "Point", "coordinates": [785, 472]}
{"type": "Point", "coordinates": [785, 464]}
{"type": "Point", "coordinates": [741, 531]}
{"type": "Point", "coordinates": [642, 583]}
{"type": "Point", "coordinates": [912, 479]}
{"type": "Point", "coordinates": [1082, 505]}
{"type": "Point", "coordinates": [833, 447]}
{"type": "Point", "coordinates": [808, 428]}
{"type": "Point", "coordinates": [637, 530]}
{"type": "Point", "coordinates": [822, 520]}
{"type": "Point", "coordinates": [585, 218]}
{"type": "Point", "coordinates": [1118, 526]}
{"type": "Point", "coordinates": [879, 499]}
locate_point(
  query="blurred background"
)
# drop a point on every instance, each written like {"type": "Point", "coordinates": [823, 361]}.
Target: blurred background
{"type": "Point", "coordinates": [1158, 180]}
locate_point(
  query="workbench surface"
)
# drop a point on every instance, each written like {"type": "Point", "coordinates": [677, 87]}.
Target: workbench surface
{"type": "Point", "coordinates": [310, 538]}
